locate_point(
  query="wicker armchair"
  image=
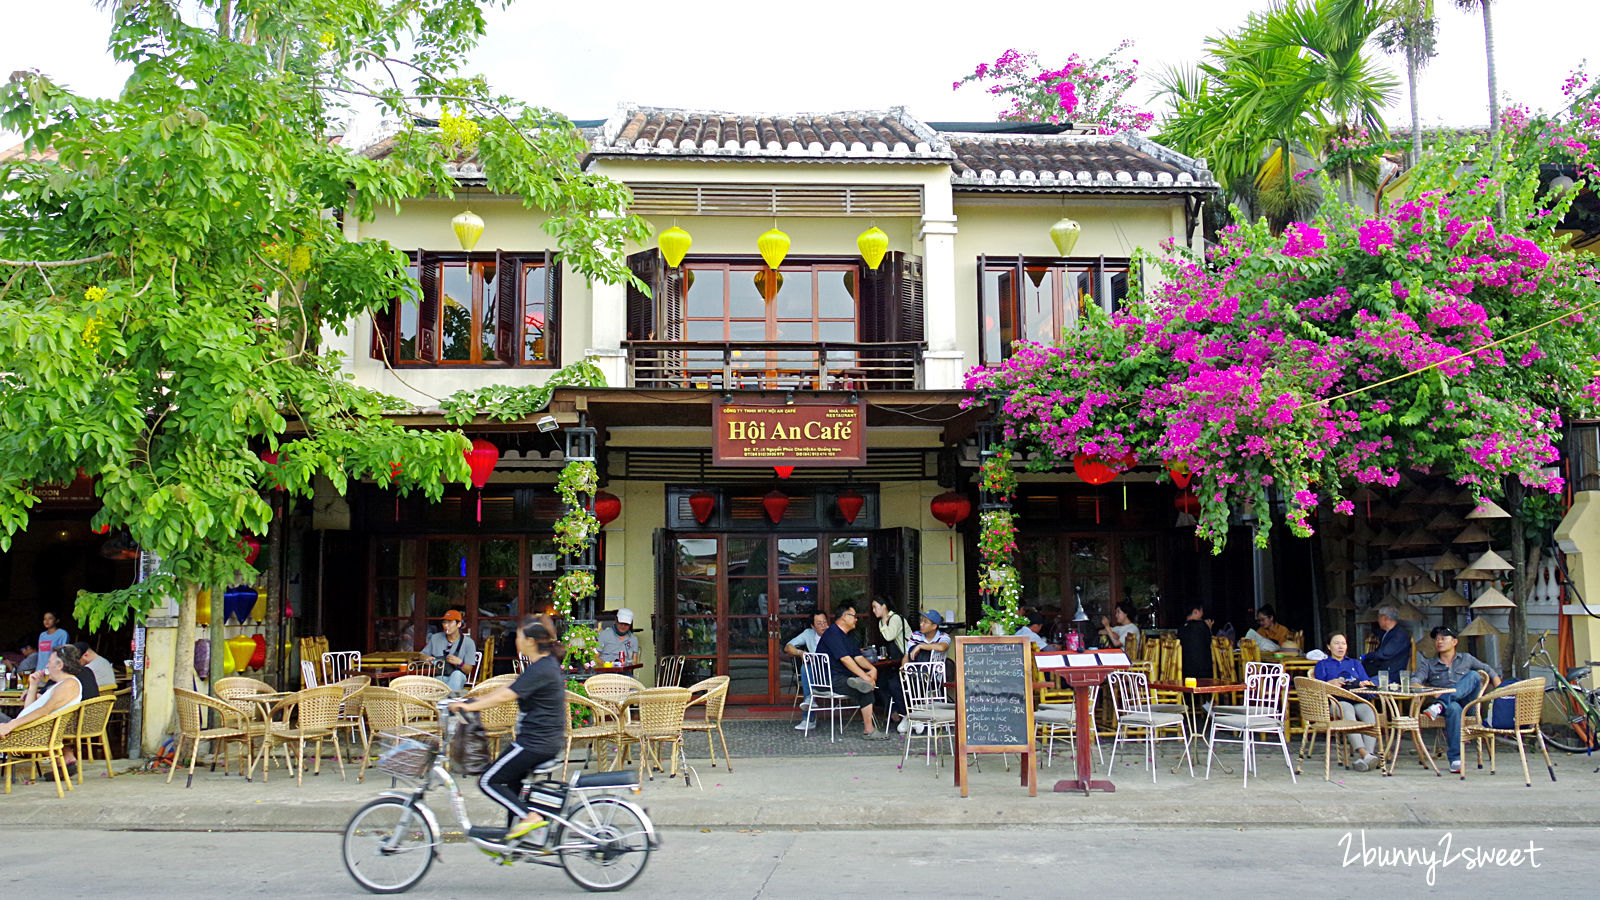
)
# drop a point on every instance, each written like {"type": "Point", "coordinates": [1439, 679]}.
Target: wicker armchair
{"type": "Point", "coordinates": [713, 697]}
{"type": "Point", "coordinates": [1318, 701]}
{"type": "Point", "coordinates": [350, 718]}
{"type": "Point", "coordinates": [426, 688]}
{"type": "Point", "coordinates": [316, 713]}
{"type": "Point", "coordinates": [387, 712]}
{"type": "Point", "coordinates": [500, 720]}
{"type": "Point", "coordinates": [89, 730]}
{"type": "Point", "coordinates": [36, 741]}
{"type": "Point", "coordinates": [239, 685]}
{"type": "Point", "coordinates": [1529, 697]}
{"type": "Point", "coordinates": [612, 687]}
{"type": "Point", "coordinates": [602, 729]}
{"type": "Point", "coordinates": [659, 722]}
{"type": "Point", "coordinates": [230, 730]}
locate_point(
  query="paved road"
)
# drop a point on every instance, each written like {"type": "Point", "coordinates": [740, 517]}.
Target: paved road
{"type": "Point", "coordinates": [1113, 862]}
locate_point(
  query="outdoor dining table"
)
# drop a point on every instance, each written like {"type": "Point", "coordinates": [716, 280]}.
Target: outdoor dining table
{"type": "Point", "coordinates": [1390, 712]}
{"type": "Point", "coordinates": [11, 698]}
{"type": "Point", "coordinates": [1083, 680]}
{"type": "Point", "coordinates": [1191, 693]}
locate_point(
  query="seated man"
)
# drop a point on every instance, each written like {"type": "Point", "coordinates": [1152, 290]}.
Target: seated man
{"type": "Point", "coordinates": [619, 644]}
{"type": "Point", "coordinates": [454, 649]}
{"type": "Point", "coordinates": [1031, 632]}
{"type": "Point", "coordinates": [104, 675]}
{"type": "Point", "coordinates": [1394, 650]}
{"type": "Point", "coordinates": [853, 674]}
{"type": "Point", "coordinates": [798, 646]}
{"type": "Point", "coordinates": [929, 644]}
{"type": "Point", "coordinates": [1268, 626]}
{"type": "Point", "coordinates": [1461, 673]}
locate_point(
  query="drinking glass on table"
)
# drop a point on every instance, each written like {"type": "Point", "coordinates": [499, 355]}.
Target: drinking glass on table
{"type": "Point", "coordinates": [1405, 679]}
{"type": "Point", "coordinates": [1383, 679]}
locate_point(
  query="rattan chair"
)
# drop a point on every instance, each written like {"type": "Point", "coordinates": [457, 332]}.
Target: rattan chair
{"type": "Point", "coordinates": [89, 730]}
{"type": "Point", "coordinates": [192, 709]}
{"type": "Point", "coordinates": [37, 741]}
{"type": "Point", "coordinates": [712, 695]}
{"type": "Point", "coordinates": [315, 713]}
{"type": "Point", "coordinates": [350, 718]}
{"type": "Point", "coordinates": [1319, 706]}
{"type": "Point", "coordinates": [669, 671]}
{"type": "Point", "coordinates": [388, 712]}
{"type": "Point", "coordinates": [612, 687]}
{"type": "Point", "coordinates": [603, 728]}
{"type": "Point", "coordinates": [1529, 696]}
{"type": "Point", "coordinates": [500, 720]}
{"type": "Point", "coordinates": [659, 723]}
{"type": "Point", "coordinates": [426, 688]}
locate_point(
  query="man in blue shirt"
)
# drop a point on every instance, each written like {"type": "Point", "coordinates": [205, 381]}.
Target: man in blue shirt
{"type": "Point", "coordinates": [798, 646]}
{"type": "Point", "coordinates": [1464, 674]}
{"type": "Point", "coordinates": [1394, 649]}
{"type": "Point", "coordinates": [853, 674]}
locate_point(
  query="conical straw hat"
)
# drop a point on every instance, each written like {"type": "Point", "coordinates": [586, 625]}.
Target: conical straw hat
{"type": "Point", "coordinates": [1369, 580]}
{"type": "Point", "coordinates": [1448, 562]}
{"type": "Point", "coordinates": [1447, 598]}
{"type": "Point", "coordinates": [1341, 604]}
{"type": "Point", "coordinates": [1386, 570]}
{"type": "Point", "coordinates": [1492, 599]}
{"type": "Point", "coordinates": [1444, 521]}
{"type": "Point", "coordinates": [1370, 614]}
{"type": "Point", "coordinates": [1473, 534]}
{"type": "Point", "coordinates": [1416, 495]}
{"type": "Point", "coordinates": [1491, 561]}
{"type": "Point", "coordinates": [1444, 496]}
{"type": "Point", "coordinates": [1480, 627]}
{"type": "Point", "coordinates": [1408, 569]}
{"type": "Point", "coordinates": [1488, 509]}
{"type": "Point", "coordinates": [1409, 613]}
{"type": "Point", "coordinates": [1424, 586]}
{"type": "Point", "coordinates": [1474, 575]}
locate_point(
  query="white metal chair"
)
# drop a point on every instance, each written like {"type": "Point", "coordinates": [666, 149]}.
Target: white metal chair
{"type": "Point", "coordinates": [430, 667]}
{"type": "Point", "coordinates": [1266, 713]}
{"type": "Point", "coordinates": [819, 671]}
{"type": "Point", "coordinates": [926, 705]}
{"type": "Point", "coordinates": [518, 664]}
{"type": "Point", "coordinates": [1053, 720]}
{"type": "Point", "coordinates": [1130, 696]}
{"type": "Point", "coordinates": [337, 665]}
{"type": "Point", "coordinates": [669, 671]}
{"type": "Point", "coordinates": [472, 671]}
{"type": "Point", "coordinates": [1251, 669]}
{"type": "Point", "coordinates": [308, 674]}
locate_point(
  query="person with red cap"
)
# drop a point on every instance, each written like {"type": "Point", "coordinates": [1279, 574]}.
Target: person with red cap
{"type": "Point", "coordinates": [453, 648]}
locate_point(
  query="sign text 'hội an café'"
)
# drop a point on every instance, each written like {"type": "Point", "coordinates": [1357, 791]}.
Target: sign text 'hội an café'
{"type": "Point", "coordinates": [807, 434]}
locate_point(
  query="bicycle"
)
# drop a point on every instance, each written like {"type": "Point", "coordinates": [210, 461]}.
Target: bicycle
{"type": "Point", "coordinates": [1571, 714]}
{"type": "Point", "coordinates": [602, 842]}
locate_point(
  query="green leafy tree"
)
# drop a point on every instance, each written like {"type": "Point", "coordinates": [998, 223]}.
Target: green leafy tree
{"type": "Point", "coordinates": [170, 258]}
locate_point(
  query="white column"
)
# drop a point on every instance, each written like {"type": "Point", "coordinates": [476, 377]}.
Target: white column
{"type": "Point", "coordinates": [943, 364]}
{"type": "Point", "coordinates": [608, 327]}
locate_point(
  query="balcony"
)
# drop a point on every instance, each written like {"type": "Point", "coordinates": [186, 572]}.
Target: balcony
{"type": "Point", "coordinates": [766, 365]}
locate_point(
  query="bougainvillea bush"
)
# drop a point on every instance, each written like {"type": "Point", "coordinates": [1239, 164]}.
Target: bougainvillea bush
{"type": "Point", "coordinates": [1268, 364]}
{"type": "Point", "coordinates": [1080, 90]}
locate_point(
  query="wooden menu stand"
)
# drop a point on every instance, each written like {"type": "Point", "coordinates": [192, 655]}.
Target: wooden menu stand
{"type": "Point", "coordinates": [1081, 679]}
{"type": "Point", "coordinates": [994, 703]}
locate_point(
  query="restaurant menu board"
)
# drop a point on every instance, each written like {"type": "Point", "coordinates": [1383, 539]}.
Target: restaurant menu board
{"type": "Point", "coordinates": [994, 702]}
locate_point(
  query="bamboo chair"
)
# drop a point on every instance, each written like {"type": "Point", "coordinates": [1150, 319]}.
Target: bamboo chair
{"type": "Point", "coordinates": [316, 712]}
{"type": "Point", "coordinates": [350, 718]}
{"type": "Point", "coordinates": [36, 741]}
{"type": "Point", "coordinates": [1398, 726]}
{"type": "Point", "coordinates": [118, 718]}
{"type": "Point", "coordinates": [192, 728]}
{"type": "Point", "coordinates": [1318, 704]}
{"type": "Point", "coordinates": [612, 687]}
{"type": "Point", "coordinates": [236, 692]}
{"type": "Point", "coordinates": [660, 722]}
{"type": "Point", "coordinates": [713, 697]}
{"type": "Point", "coordinates": [388, 712]}
{"type": "Point", "coordinates": [500, 720]}
{"type": "Point", "coordinates": [603, 729]}
{"type": "Point", "coordinates": [89, 730]}
{"type": "Point", "coordinates": [1248, 652]}
{"type": "Point", "coordinates": [1529, 696]}
{"type": "Point", "coordinates": [1225, 666]}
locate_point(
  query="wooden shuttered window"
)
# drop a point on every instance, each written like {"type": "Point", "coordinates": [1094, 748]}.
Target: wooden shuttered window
{"type": "Point", "coordinates": [383, 334]}
{"type": "Point", "coordinates": [896, 566]}
{"type": "Point", "coordinates": [428, 308]}
{"type": "Point", "coordinates": [507, 310]}
{"type": "Point", "coordinates": [658, 315]}
{"type": "Point", "coordinates": [1006, 301]}
{"type": "Point", "coordinates": [511, 322]}
{"type": "Point", "coordinates": [891, 300]}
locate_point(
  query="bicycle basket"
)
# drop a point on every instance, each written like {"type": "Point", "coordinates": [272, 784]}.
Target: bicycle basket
{"type": "Point", "coordinates": [408, 752]}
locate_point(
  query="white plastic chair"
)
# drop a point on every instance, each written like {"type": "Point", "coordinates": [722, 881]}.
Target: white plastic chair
{"type": "Point", "coordinates": [308, 674]}
{"type": "Point", "coordinates": [1266, 712]}
{"type": "Point", "coordinates": [337, 665]}
{"type": "Point", "coordinates": [1130, 696]}
{"type": "Point", "coordinates": [1053, 720]}
{"type": "Point", "coordinates": [819, 671]}
{"type": "Point", "coordinates": [926, 705]}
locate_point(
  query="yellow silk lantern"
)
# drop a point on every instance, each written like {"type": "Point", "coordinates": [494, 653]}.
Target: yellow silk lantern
{"type": "Point", "coordinates": [1064, 234]}
{"type": "Point", "coordinates": [674, 244]}
{"type": "Point", "coordinates": [873, 244]}
{"type": "Point", "coordinates": [258, 612]}
{"type": "Point", "coordinates": [468, 228]}
{"type": "Point", "coordinates": [240, 649]}
{"type": "Point", "coordinates": [202, 607]}
{"type": "Point", "coordinates": [774, 246]}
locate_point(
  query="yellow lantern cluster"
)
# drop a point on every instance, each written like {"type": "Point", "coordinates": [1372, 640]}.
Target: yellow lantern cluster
{"type": "Point", "coordinates": [773, 244]}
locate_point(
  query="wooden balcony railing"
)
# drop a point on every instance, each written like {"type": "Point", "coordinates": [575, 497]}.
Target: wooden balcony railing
{"type": "Point", "coordinates": [767, 365]}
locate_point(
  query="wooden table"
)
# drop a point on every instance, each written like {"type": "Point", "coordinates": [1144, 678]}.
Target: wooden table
{"type": "Point", "coordinates": [1395, 724]}
{"type": "Point", "coordinates": [604, 669]}
{"type": "Point", "coordinates": [377, 673]}
{"type": "Point", "coordinates": [11, 698]}
{"type": "Point", "coordinates": [1082, 680]}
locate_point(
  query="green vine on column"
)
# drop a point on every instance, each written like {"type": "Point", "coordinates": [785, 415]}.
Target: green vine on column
{"type": "Point", "coordinates": [575, 532]}
{"type": "Point", "coordinates": [998, 580]}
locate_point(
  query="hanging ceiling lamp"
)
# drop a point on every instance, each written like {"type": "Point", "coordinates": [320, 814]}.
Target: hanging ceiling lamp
{"type": "Point", "coordinates": [1064, 234]}
{"type": "Point", "coordinates": [468, 228]}
{"type": "Point", "coordinates": [873, 244]}
{"type": "Point", "coordinates": [774, 246]}
{"type": "Point", "coordinates": [674, 244]}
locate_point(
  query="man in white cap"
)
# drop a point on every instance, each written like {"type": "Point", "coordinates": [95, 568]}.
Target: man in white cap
{"type": "Point", "coordinates": [618, 644]}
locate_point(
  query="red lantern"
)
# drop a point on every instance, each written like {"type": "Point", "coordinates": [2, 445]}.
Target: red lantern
{"type": "Point", "coordinates": [1181, 476]}
{"type": "Point", "coordinates": [702, 503]}
{"type": "Point", "coordinates": [776, 503]}
{"type": "Point", "coordinates": [1187, 503]}
{"type": "Point", "coordinates": [783, 471]}
{"type": "Point", "coordinates": [481, 459]}
{"type": "Point", "coordinates": [1091, 469]}
{"type": "Point", "coordinates": [258, 657]}
{"type": "Point", "coordinates": [252, 548]}
{"type": "Point", "coordinates": [850, 503]}
{"type": "Point", "coordinates": [952, 509]}
{"type": "Point", "coordinates": [607, 507]}
{"type": "Point", "coordinates": [102, 529]}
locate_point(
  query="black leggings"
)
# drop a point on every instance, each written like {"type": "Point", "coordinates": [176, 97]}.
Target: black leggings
{"type": "Point", "coordinates": [502, 781]}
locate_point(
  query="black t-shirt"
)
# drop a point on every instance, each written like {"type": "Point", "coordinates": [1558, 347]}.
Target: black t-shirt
{"type": "Point", "coordinates": [838, 645]}
{"type": "Point", "coordinates": [86, 684]}
{"type": "Point", "coordinates": [1195, 638]}
{"type": "Point", "coordinates": [542, 701]}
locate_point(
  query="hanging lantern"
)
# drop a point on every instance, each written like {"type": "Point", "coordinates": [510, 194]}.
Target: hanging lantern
{"type": "Point", "coordinates": [702, 503]}
{"type": "Point", "coordinates": [850, 502]}
{"type": "Point", "coordinates": [240, 648]}
{"type": "Point", "coordinates": [258, 656]}
{"type": "Point", "coordinates": [270, 457]}
{"type": "Point", "coordinates": [1064, 234]}
{"type": "Point", "coordinates": [202, 607]}
{"type": "Point", "coordinates": [202, 655]}
{"type": "Point", "coordinates": [873, 244]}
{"type": "Point", "coordinates": [952, 509]}
{"type": "Point", "coordinates": [1187, 504]}
{"type": "Point", "coordinates": [774, 246]}
{"type": "Point", "coordinates": [237, 602]}
{"type": "Point", "coordinates": [607, 507]}
{"type": "Point", "coordinates": [1089, 467]}
{"type": "Point", "coordinates": [101, 529]}
{"type": "Point", "coordinates": [1181, 475]}
{"type": "Point", "coordinates": [783, 471]}
{"type": "Point", "coordinates": [776, 504]}
{"type": "Point", "coordinates": [468, 228]}
{"type": "Point", "coordinates": [674, 244]}
{"type": "Point", "coordinates": [252, 548]}
{"type": "Point", "coordinates": [258, 612]}
{"type": "Point", "coordinates": [761, 284]}
{"type": "Point", "coordinates": [481, 459]}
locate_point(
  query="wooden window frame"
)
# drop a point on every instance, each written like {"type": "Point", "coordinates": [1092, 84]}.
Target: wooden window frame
{"type": "Point", "coordinates": [728, 270]}
{"type": "Point", "coordinates": [430, 312]}
{"type": "Point", "coordinates": [1062, 272]}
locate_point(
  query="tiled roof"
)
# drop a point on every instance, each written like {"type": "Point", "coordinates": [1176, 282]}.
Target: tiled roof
{"type": "Point", "coordinates": [876, 135]}
{"type": "Point", "coordinates": [1072, 162]}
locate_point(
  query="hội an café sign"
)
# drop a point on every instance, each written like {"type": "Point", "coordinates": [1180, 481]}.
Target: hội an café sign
{"type": "Point", "coordinates": [803, 434]}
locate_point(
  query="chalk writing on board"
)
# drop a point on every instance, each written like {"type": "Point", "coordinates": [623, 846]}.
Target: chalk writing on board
{"type": "Point", "coordinates": [996, 689]}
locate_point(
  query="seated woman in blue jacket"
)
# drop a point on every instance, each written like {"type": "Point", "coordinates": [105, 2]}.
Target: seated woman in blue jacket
{"type": "Point", "coordinates": [1337, 668]}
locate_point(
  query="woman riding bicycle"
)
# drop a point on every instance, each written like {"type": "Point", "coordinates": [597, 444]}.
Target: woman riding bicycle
{"type": "Point", "coordinates": [541, 698]}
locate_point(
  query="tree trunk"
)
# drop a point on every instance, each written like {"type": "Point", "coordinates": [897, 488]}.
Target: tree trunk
{"type": "Point", "coordinates": [183, 646]}
{"type": "Point", "coordinates": [1494, 101]}
{"type": "Point", "coordinates": [1416, 114]}
{"type": "Point", "coordinates": [1524, 575]}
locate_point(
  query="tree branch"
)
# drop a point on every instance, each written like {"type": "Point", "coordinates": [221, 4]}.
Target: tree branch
{"type": "Point", "coordinates": [53, 263]}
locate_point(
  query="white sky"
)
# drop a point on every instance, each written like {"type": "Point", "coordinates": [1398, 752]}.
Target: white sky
{"type": "Point", "coordinates": [816, 55]}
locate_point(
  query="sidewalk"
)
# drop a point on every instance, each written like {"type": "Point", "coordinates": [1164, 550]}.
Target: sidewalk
{"type": "Point", "coordinates": [856, 784]}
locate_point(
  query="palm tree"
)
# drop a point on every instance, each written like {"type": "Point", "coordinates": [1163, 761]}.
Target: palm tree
{"type": "Point", "coordinates": [1494, 81]}
{"type": "Point", "coordinates": [1412, 31]}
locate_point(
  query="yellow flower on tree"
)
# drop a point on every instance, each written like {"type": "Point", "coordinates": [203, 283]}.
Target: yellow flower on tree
{"type": "Point", "coordinates": [95, 294]}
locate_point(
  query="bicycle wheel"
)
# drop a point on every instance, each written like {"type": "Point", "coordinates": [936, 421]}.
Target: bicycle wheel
{"type": "Point", "coordinates": [619, 853]}
{"type": "Point", "coordinates": [1566, 724]}
{"type": "Point", "coordinates": [388, 846]}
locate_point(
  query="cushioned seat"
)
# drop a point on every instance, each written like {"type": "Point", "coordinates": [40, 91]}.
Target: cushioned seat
{"type": "Point", "coordinates": [624, 778]}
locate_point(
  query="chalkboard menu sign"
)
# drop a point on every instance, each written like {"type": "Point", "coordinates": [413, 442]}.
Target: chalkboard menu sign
{"type": "Point", "coordinates": [994, 702]}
